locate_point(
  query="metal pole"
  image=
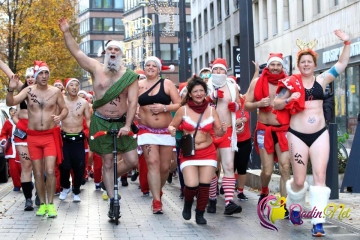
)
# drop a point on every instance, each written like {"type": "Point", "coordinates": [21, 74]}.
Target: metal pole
{"type": "Point", "coordinates": [144, 39]}
{"type": "Point", "coordinates": [157, 36]}
{"type": "Point", "coordinates": [182, 43]}
{"type": "Point", "coordinates": [332, 170]}
{"type": "Point", "coordinates": [247, 54]}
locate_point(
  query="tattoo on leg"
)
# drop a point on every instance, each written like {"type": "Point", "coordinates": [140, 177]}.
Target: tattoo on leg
{"type": "Point", "coordinates": [148, 148]}
{"type": "Point", "coordinates": [24, 156]}
{"type": "Point", "coordinates": [312, 120]}
{"type": "Point", "coordinates": [298, 158]}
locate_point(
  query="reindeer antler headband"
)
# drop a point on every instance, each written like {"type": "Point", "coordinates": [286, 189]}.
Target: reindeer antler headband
{"type": "Point", "coordinates": [307, 47]}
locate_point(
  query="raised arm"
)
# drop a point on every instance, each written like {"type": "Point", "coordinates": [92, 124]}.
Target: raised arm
{"type": "Point", "coordinates": [343, 61]}
{"type": "Point", "coordinates": [250, 104]}
{"type": "Point", "coordinates": [84, 61]}
{"type": "Point", "coordinates": [5, 68]}
{"type": "Point", "coordinates": [12, 100]}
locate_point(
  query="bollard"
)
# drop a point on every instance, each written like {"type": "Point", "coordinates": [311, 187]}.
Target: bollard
{"type": "Point", "coordinates": [332, 171]}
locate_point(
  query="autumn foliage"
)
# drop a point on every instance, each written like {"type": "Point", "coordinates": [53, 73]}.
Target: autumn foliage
{"type": "Point", "coordinates": [29, 31]}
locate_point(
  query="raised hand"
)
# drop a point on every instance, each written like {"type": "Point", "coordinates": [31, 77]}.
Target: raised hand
{"type": "Point", "coordinates": [14, 82]}
{"type": "Point", "coordinates": [341, 35]}
{"type": "Point", "coordinates": [64, 25]}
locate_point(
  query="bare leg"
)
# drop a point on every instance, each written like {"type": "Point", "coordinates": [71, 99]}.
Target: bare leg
{"type": "Point", "coordinates": [26, 166]}
{"type": "Point", "coordinates": [166, 153]}
{"type": "Point", "coordinates": [267, 162]}
{"type": "Point", "coordinates": [241, 180]}
{"type": "Point", "coordinates": [38, 166]}
{"type": "Point", "coordinates": [130, 161]}
{"type": "Point", "coordinates": [108, 173]}
{"type": "Point", "coordinates": [50, 178]}
{"type": "Point", "coordinates": [284, 167]}
{"type": "Point", "coordinates": [152, 157]}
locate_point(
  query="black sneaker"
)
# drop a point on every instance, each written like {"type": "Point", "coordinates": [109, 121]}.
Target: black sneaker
{"type": "Point", "coordinates": [37, 200]}
{"type": "Point", "coordinates": [211, 208]}
{"type": "Point", "coordinates": [222, 192]}
{"type": "Point", "coordinates": [28, 205]}
{"type": "Point", "coordinates": [241, 196]}
{"type": "Point", "coordinates": [102, 184]}
{"type": "Point", "coordinates": [232, 208]}
{"type": "Point", "coordinates": [262, 196]}
{"type": "Point", "coordinates": [286, 216]}
{"type": "Point", "coordinates": [124, 182]}
{"type": "Point", "coordinates": [134, 176]}
{"type": "Point", "coordinates": [169, 180]}
{"type": "Point", "coordinates": [181, 196]}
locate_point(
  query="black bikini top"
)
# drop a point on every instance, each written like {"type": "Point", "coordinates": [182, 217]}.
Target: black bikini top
{"type": "Point", "coordinates": [316, 92]}
{"type": "Point", "coordinates": [161, 97]}
{"type": "Point", "coordinates": [23, 105]}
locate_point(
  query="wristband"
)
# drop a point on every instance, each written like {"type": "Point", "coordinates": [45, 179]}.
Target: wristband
{"type": "Point", "coordinates": [347, 43]}
{"type": "Point", "coordinates": [8, 89]}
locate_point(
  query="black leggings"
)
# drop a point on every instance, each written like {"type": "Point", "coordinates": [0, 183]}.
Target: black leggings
{"type": "Point", "coordinates": [242, 156]}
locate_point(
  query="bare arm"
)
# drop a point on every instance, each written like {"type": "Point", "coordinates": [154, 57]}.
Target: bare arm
{"type": "Point", "coordinates": [176, 120]}
{"type": "Point", "coordinates": [250, 104]}
{"type": "Point", "coordinates": [87, 114]}
{"type": "Point", "coordinates": [257, 69]}
{"type": "Point", "coordinates": [61, 106]}
{"type": "Point", "coordinates": [12, 100]}
{"type": "Point", "coordinates": [343, 61]}
{"type": "Point", "coordinates": [281, 99]}
{"type": "Point", "coordinates": [174, 95]}
{"type": "Point", "coordinates": [84, 61]}
{"type": "Point", "coordinates": [6, 69]}
{"type": "Point", "coordinates": [133, 96]}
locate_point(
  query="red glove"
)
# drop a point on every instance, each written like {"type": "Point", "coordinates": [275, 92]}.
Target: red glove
{"type": "Point", "coordinates": [233, 106]}
{"type": "Point", "coordinates": [220, 93]}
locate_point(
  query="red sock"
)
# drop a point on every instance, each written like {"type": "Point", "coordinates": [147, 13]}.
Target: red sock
{"type": "Point", "coordinates": [265, 190]}
{"type": "Point", "coordinates": [202, 197]}
{"type": "Point", "coordinates": [240, 190]}
{"type": "Point", "coordinates": [213, 187]}
{"type": "Point", "coordinates": [189, 193]}
{"type": "Point", "coordinates": [236, 175]}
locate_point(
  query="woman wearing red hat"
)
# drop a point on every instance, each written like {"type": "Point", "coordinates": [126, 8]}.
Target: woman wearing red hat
{"type": "Point", "coordinates": [300, 99]}
{"type": "Point", "coordinates": [20, 141]}
{"type": "Point", "coordinates": [157, 98]}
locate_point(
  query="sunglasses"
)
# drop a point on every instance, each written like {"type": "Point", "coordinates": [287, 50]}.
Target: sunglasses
{"type": "Point", "coordinates": [205, 75]}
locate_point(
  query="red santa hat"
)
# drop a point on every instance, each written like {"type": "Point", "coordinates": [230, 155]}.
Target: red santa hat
{"type": "Point", "coordinates": [40, 66]}
{"type": "Point", "coordinates": [275, 57]}
{"type": "Point", "coordinates": [159, 63]}
{"type": "Point", "coordinates": [29, 72]}
{"type": "Point", "coordinates": [82, 92]}
{"type": "Point", "coordinates": [182, 88]}
{"type": "Point", "coordinates": [140, 72]}
{"type": "Point", "coordinates": [91, 92]}
{"type": "Point", "coordinates": [221, 63]}
{"type": "Point", "coordinates": [58, 81]}
{"type": "Point", "coordinates": [69, 80]}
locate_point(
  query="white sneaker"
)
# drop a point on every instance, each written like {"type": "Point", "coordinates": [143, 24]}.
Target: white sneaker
{"type": "Point", "coordinates": [76, 198]}
{"type": "Point", "coordinates": [64, 193]}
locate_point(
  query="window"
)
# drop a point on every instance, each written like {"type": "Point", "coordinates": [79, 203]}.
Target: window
{"type": "Point", "coordinates": [108, 24]}
{"type": "Point", "coordinates": [316, 7]}
{"type": "Point", "coordinates": [195, 66]}
{"type": "Point", "coordinates": [286, 15]}
{"type": "Point", "coordinates": [334, 3]}
{"type": "Point", "coordinates": [200, 28]}
{"type": "Point", "coordinates": [96, 3]}
{"type": "Point", "coordinates": [97, 24]}
{"type": "Point", "coordinates": [257, 22]}
{"type": "Point", "coordinates": [96, 46]}
{"type": "Point", "coordinates": [119, 4]}
{"type": "Point", "coordinates": [212, 15]}
{"type": "Point", "coordinates": [201, 64]}
{"type": "Point", "coordinates": [119, 26]}
{"type": "Point", "coordinates": [274, 16]}
{"type": "Point", "coordinates": [219, 10]}
{"type": "Point", "coordinates": [174, 51]}
{"type": "Point", "coordinates": [228, 53]}
{"type": "Point", "coordinates": [212, 54]}
{"type": "Point", "coordinates": [236, 4]}
{"type": "Point", "coordinates": [84, 26]}
{"type": "Point", "coordinates": [194, 29]}
{"type": "Point", "coordinates": [206, 59]}
{"type": "Point", "coordinates": [300, 10]}
{"type": "Point", "coordinates": [107, 3]}
{"type": "Point", "coordinates": [265, 20]}
{"type": "Point", "coordinates": [227, 8]}
{"type": "Point", "coordinates": [83, 5]}
{"type": "Point", "coordinates": [237, 40]}
{"type": "Point", "coordinates": [220, 55]}
{"type": "Point", "coordinates": [205, 21]}
{"type": "Point", "coordinates": [165, 51]}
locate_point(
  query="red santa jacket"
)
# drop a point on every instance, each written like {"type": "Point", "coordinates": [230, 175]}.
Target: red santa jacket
{"type": "Point", "coordinates": [7, 134]}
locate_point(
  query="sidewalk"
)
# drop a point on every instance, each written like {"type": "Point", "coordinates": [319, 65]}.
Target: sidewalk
{"type": "Point", "coordinates": [88, 219]}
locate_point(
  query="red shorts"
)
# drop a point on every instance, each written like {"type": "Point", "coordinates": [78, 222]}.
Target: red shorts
{"type": "Point", "coordinates": [224, 141]}
{"type": "Point", "coordinates": [41, 147]}
{"type": "Point", "coordinates": [22, 125]}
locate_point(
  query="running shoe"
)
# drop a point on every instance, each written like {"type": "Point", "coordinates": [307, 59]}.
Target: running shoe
{"type": "Point", "coordinates": [232, 208]}
{"type": "Point", "coordinates": [241, 196]}
{"type": "Point", "coordinates": [295, 218]}
{"type": "Point", "coordinates": [16, 189]}
{"type": "Point", "coordinates": [104, 195]}
{"type": "Point", "coordinates": [157, 207]}
{"type": "Point", "coordinates": [28, 205]}
{"type": "Point", "coordinates": [134, 176]}
{"type": "Point", "coordinates": [42, 210]}
{"type": "Point", "coordinates": [317, 230]}
{"type": "Point", "coordinates": [64, 193]}
{"type": "Point", "coordinates": [76, 198]}
{"type": "Point", "coordinates": [52, 213]}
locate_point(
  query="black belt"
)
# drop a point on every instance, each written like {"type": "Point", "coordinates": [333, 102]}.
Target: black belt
{"type": "Point", "coordinates": [121, 119]}
{"type": "Point", "coordinates": [73, 137]}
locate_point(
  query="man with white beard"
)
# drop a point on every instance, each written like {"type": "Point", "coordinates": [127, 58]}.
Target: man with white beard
{"type": "Point", "coordinates": [116, 90]}
{"type": "Point", "coordinates": [225, 97]}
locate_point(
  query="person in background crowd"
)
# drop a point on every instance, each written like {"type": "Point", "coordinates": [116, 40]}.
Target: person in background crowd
{"type": "Point", "coordinates": [300, 102]}
{"type": "Point", "coordinates": [205, 74]}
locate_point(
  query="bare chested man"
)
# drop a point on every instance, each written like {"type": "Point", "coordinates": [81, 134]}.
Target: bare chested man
{"type": "Point", "coordinates": [225, 96]}
{"type": "Point", "coordinates": [73, 138]}
{"type": "Point", "coordinates": [116, 89]}
{"type": "Point", "coordinates": [270, 135]}
{"type": "Point", "coordinates": [43, 134]}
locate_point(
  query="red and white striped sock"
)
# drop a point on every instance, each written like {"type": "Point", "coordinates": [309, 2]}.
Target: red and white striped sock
{"type": "Point", "coordinates": [213, 187]}
{"type": "Point", "coordinates": [228, 186]}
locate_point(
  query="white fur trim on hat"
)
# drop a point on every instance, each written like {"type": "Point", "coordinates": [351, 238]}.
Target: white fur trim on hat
{"type": "Point", "coordinates": [205, 69]}
{"type": "Point", "coordinates": [220, 66]}
{"type": "Point", "coordinates": [29, 72]}
{"type": "Point", "coordinates": [272, 59]}
{"type": "Point", "coordinates": [40, 69]}
{"type": "Point", "coordinates": [73, 79]}
{"type": "Point", "coordinates": [82, 92]}
{"type": "Point", "coordinates": [154, 59]}
{"type": "Point", "coordinates": [119, 44]}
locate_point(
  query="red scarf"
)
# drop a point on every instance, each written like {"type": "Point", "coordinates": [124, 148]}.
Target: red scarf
{"type": "Point", "coordinates": [198, 108]}
{"type": "Point", "coordinates": [262, 87]}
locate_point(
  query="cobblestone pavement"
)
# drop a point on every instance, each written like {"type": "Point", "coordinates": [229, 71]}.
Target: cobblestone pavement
{"type": "Point", "coordinates": [88, 219]}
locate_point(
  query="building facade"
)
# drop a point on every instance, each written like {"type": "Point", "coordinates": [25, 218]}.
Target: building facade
{"type": "Point", "coordinates": [277, 24]}
{"type": "Point", "coordinates": [100, 21]}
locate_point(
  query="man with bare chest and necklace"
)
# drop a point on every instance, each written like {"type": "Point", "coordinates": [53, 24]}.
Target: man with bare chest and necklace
{"type": "Point", "coordinates": [73, 137]}
{"type": "Point", "coordinates": [116, 91]}
{"type": "Point", "coordinates": [43, 133]}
